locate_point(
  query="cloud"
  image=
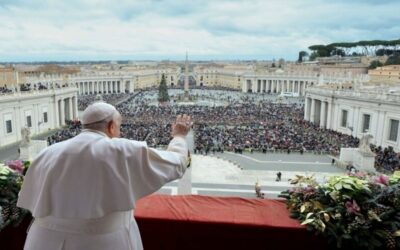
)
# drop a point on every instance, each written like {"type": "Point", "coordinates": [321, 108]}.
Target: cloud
{"type": "Point", "coordinates": [161, 29]}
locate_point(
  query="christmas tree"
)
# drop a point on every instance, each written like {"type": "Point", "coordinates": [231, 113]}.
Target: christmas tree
{"type": "Point", "coordinates": [163, 91]}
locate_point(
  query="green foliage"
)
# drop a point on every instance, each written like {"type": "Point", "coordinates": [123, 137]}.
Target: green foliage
{"type": "Point", "coordinates": [313, 56]}
{"type": "Point", "coordinates": [321, 50]}
{"type": "Point", "coordinates": [163, 90]}
{"type": "Point", "coordinates": [374, 64]}
{"type": "Point", "coordinates": [393, 60]}
{"type": "Point", "coordinates": [353, 212]}
{"type": "Point", "coordinates": [368, 47]}
{"type": "Point", "coordinates": [11, 178]}
{"type": "Point", "coordinates": [301, 55]}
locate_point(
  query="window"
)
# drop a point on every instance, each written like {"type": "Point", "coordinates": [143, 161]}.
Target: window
{"type": "Point", "coordinates": [344, 119]}
{"type": "Point", "coordinates": [366, 121]}
{"type": "Point", "coordinates": [29, 121]}
{"type": "Point", "coordinates": [8, 126]}
{"type": "Point", "coordinates": [45, 117]}
{"type": "Point", "coordinates": [393, 129]}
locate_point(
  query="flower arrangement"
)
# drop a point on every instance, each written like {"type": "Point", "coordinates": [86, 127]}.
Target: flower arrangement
{"type": "Point", "coordinates": [11, 177]}
{"type": "Point", "coordinates": [355, 211]}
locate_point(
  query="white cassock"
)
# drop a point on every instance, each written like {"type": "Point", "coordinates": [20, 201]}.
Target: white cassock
{"type": "Point", "coordinates": [82, 191]}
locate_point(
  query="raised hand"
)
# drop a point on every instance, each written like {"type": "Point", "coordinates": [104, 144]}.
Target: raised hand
{"type": "Point", "coordinates": [181, 126]}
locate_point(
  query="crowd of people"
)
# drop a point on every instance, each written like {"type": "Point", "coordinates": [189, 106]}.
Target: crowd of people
{"type": "Point", "coordinates": [386, 159]}
{"type": "Point", "coordinates": [30, 86]}
{"type": "Point", "coordinates": [85, 100]}
{"type": "Point", "coordinates": [241, 122]}
{"type": "Point", "coordinates": [4, 90]}
{"type": "Point", "coordinates": [73, 128]}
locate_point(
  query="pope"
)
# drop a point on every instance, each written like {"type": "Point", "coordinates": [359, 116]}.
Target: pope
{"type": "Point", "coordinates": [82, 191]}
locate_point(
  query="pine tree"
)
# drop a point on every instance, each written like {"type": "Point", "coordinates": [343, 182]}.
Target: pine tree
{"type": "Point", "coordinates": [163, 91]}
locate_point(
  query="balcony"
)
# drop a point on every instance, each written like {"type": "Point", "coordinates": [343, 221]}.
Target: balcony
{"type": "Point", "coordinates": [205, 222]}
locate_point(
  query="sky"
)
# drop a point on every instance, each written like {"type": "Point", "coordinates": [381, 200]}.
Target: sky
{"type": "Point", "coordinates": [73, 30]}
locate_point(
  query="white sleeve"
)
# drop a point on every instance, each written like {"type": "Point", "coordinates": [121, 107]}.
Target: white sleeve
{"type": "Point", "coordinates": [179, 145]}
{"type": "Point", "coordinates": [158, 167]}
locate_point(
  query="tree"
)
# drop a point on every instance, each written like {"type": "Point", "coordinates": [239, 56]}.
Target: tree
{"type": "Point", "coordinates": [365, 47]}
{"type": "Point", "coordinates": [301, 55]}
{"type": "Point", "coordinates": [313, 56]}
{"type": "Point", "coordinates": [163, 91]}
{"type": "Point", "coordinates": [393, 60]}
{"type": "Point", "coordinates": [374, 64]}
{"type": "Point", "coordinates": [322, 50]}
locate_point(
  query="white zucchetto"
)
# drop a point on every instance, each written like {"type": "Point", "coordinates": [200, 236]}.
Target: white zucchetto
{"type": "Point", "coordinates": [96, 112]}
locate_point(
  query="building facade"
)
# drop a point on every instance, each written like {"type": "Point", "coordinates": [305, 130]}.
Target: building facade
{"type": "Point", "coordinates": [387, 74]}
{"type": "Point", "coordinates": [355, 112]}
{"type": "Point", "coordinates": [39, 110]}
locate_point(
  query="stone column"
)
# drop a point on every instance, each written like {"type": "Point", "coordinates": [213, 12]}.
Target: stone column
{"type": "Point", "coordinates": [278, 86]}
{"type": "Point", "coordinates": [322, 119]}
{"type": "Point", "coordinates": [380, 136]}
{"type": "Point", "coordinates": [265, 85]}
{"type": "Point", "coordinates": [293, 82]}
{"type": "Point", "coordinates": [71, 110]}
{"type": "Point", "coordinates": [299, 88]}
{"type": "Point", "coordinates": [254, 86]}
{"type": "Point", "coordinates": [56, 114]}
{"type": "Point", "coordinates": [355, 122]}
{"type": "Point", "coordinates": [62, 112]}
{"type": "Point", "coordinates": [312, 111]}
{"type": "Point", "coordinates": [307, 109]}
{"type": "Point", "coordinates": [262, 86]}
{"type": "Point", "coordinates": [329, 118]}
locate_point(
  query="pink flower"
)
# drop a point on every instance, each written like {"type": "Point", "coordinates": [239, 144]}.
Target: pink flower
{"type": "Point", "coordinates": [309, 189]}
{"type": "Point", "coordinates": [359, 174]}
{"type": "Point", "coordinates": [352, 207]}
{"type": "Point", "coordinates": [381, 179]}
{"type": "Point", "coordinates": [16, 165]}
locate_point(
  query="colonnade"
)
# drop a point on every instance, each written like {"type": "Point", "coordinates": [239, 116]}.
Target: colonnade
{"type": "Point", "coordinates": [318, 112]}
{"type": "Point", "coordinates": [65, 109]}
{"type": "Point", "coordinates": [103, 87]}
{"type": "Point", "coordinates": [277, 86]}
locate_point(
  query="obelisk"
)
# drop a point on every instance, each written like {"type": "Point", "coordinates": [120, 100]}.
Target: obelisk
{"type": "Point", "coordinates": [186, 85]}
